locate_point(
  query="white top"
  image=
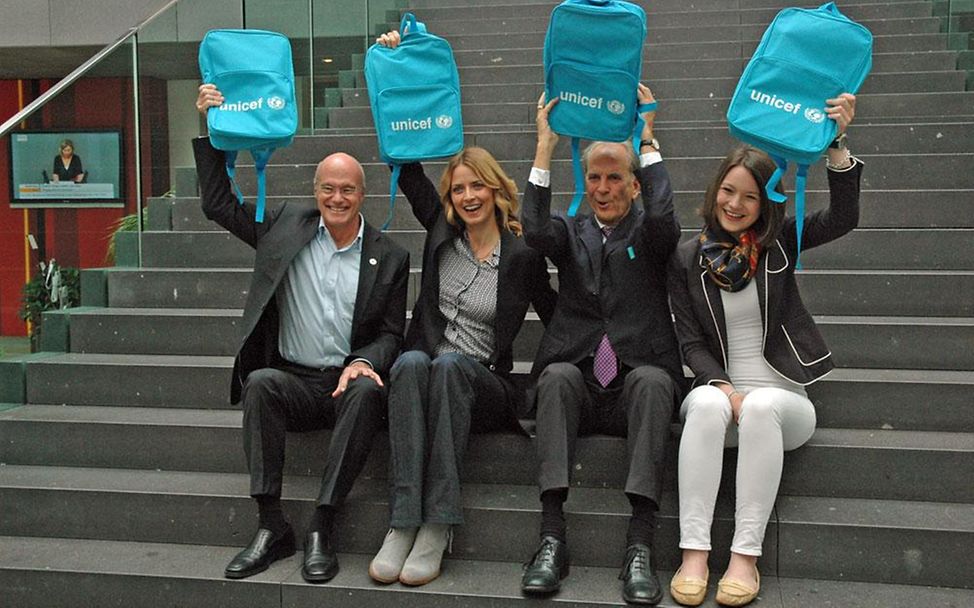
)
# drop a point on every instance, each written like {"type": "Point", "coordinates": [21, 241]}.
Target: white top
{"type": "Point", "coordinates": [745, 336]}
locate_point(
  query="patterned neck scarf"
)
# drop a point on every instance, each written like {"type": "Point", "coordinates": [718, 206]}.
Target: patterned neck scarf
{"type": "Point", "coordinates": [730, 263]}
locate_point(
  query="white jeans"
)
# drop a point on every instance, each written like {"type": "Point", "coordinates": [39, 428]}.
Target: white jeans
{"type": "Point", "coordinates": [772, 420]}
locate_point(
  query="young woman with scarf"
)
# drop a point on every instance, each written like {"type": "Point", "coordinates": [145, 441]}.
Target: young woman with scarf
{"type": "Point", "coordinates": [753, 348]}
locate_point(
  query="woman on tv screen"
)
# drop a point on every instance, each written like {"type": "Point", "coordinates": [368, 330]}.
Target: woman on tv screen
{"type": "Point", "coordinates": [67, 164]}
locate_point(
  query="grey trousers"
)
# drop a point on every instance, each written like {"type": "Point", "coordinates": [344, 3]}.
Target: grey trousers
{"type": "Point", "coordinates": [293, 398]}
{"type": "Point", "coordinates": [434, 405]}
{"type": "Point", "coordinates": [571, 403]}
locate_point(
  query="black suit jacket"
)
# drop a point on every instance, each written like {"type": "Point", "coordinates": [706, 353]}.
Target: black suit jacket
{"type": "Point", "coordinates": [522, 279]}
{"type": "Point", "coordinates": [618, 289]}
{"type": "Point", "coordinates": [379, 318]}
{"type": "Point", "coordinates": [793, 345]}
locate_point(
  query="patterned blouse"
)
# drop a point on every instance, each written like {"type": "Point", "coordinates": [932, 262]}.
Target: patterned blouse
{"type": "Point", "coordinates": [468, 300]}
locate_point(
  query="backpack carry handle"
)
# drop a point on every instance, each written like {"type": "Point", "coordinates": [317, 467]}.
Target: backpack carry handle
{"type": "Point", "coordinates": [409, 25]}
{"type": "Point", "coordinates": [831, 8]}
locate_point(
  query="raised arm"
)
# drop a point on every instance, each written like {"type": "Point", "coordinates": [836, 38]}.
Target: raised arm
{"type": "Point", "coordinates": [660, 230]}
{"type": "Point", "coordinates": [844, 173]}
{"type": "Point", "coordinates": [423, 198]}
{"type": "Point", "coordinates": [217, 198]}
{"type": "Point", "coordinates": [543, 297]}
{"type": "Point", "coordinates": [542, 232]}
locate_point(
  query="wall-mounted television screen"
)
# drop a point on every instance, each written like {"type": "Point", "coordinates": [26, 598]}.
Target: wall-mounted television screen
{"type": "Point", "coordinates": [66, 169]}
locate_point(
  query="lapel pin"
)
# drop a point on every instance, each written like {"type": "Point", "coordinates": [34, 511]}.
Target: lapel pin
{"type": "Point", "coordinates": [373, 261]}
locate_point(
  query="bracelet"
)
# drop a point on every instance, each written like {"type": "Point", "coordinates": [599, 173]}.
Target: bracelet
{"type": "Point", "coordinates": [840, 167]}
{"type": "Point", "coordinates": [732, 393]}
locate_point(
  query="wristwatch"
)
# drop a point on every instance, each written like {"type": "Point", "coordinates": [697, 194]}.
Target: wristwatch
{"type": "Point", "coordinates": [650, 142]}
{"type": "Point", "coordinates": [839, 142]}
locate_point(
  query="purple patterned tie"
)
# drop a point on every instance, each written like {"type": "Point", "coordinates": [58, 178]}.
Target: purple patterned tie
{"type": "Point", "coordinates": [605, 366]}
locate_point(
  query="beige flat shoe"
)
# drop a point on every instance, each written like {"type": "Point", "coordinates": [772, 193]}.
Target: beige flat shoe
{"type": "Point", "coordinates": [688, 590]}
{"type": "Point", "coordinates": [735, 593]}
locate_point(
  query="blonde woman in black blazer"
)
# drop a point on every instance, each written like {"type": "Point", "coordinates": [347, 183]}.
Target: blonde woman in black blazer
{"type": "Point", "coordinates": [453, 377]}
{"type": "Point", "coordinates": [753, 347]}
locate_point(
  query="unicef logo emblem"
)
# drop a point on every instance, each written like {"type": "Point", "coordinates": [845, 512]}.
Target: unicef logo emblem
{"type": "Point", "coordinates": [814, 115]}
{"type": "Point", "coordinates": [616, 107]}
{"type": "Point", "coordinates": [276, 103]}
{"type": "Point", "coordinates": [444, 122]}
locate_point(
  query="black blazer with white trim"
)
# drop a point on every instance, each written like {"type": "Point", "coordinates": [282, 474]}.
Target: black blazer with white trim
{"type": "Point", "coordinates": [793, 346]}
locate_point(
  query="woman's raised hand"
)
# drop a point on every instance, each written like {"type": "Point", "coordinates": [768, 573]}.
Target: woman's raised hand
{"type": "Point", "coordinates": [389, 39]}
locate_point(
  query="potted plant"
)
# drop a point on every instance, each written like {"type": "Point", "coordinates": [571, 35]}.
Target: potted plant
{"type": "Point", "coordinates": [52, 288]}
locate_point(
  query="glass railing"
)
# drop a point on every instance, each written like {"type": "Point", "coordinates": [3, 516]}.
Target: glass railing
{"type": "Point", "coordinates": [128, 112]}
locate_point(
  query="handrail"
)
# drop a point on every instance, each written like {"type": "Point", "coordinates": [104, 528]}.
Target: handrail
{"type": "Point", "coordinates": [78, 72]}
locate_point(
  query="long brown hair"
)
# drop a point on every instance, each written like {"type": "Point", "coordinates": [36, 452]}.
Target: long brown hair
{"type": "Point", "coordinates": [761, 168]}
{"type": "Point", "coordinates": [489, 171]}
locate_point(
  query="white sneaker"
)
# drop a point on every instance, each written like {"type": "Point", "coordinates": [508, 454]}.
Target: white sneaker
{"type": "Point", "coordinates": [423, 563]}
{"type": "Point", "coordinates": [387, 563]}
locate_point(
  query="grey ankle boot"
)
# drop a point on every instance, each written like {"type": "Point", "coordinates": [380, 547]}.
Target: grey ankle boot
{"type": "Point", "coordinates": [423, 563]}
{"type": "Point", "coordinates": [387, 563]}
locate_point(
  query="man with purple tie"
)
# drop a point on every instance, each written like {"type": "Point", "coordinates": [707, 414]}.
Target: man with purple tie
{"type": "Point", "coordinates": [608, 361]}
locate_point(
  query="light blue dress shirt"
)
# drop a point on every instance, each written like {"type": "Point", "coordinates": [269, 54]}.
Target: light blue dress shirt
{"type": "Point", "coordinates": [316, 300]}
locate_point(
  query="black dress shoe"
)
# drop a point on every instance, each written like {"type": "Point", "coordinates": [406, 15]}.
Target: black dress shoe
{"type": "Point", "coordinates": [263, 550]}
{"type": "Point", "coordinates": [549, 565]}
{"type": "Point", "coordinates": [640, 583]}
{"type": "Point", "coordinates": [320, 561]}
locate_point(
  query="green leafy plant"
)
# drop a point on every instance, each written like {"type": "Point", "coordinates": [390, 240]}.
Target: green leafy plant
{"type": "Point", "coordinates": [126, 223]}
{"type": "Point", "coordinates": [37, 297]}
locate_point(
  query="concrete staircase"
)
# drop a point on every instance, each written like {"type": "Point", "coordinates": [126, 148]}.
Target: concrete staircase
{"type": "Point", "coordinates": [123, 481]}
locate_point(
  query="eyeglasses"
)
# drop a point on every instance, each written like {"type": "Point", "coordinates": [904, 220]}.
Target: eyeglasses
{"type": "Point", "coordinates": [329, 190]}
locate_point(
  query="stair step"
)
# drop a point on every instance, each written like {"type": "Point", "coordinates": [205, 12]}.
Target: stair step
{"type": "Point", "coordinates": [660, 64]}
{"type": "Point", "coordinates": [745, 38]}
{"type": "Point", "coordinates": [656, 5]}
{"type": "Point", "coordinates": [877, 464]}
{"type": "Point", "coordinates": [494, 85]}
{"type": "Point", "coordinates": [878, 209]}
{"type": "Point", "coordinates": [884, 172]}
{"type": "Point", "coordinates": [848, 539]}
{"type": "Point", "coordinates": [835, 292]}
{"type": "Point", "coordinates": [161, 380]}
{"type": "Point", "coordinates": [55, 572]}
{"type": "Point", "coordinates": [442, 19]}
{"type": "Point", "coordinates": [468, 34]}
{"type": "Point", "coordinates": [728, 65]}
{"type": "Point", "coordinates": [817, 537]}
{"type": "Point", "coordinates": [680, 141]}
{"type": "Point", "coordinates": [856, 341]}
{"type": "Point", "coordinates": [215, 509]}
{"type": "Point", "coordinates": [888, 249]}
{"type": "Point", "coordinates": [887, 399]}
{"type": "Point", "coordinates": [690, 100]}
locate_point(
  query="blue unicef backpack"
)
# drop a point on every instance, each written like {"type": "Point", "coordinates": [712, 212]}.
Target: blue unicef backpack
{"type": "Point", "coordinates": [805, 57]}
{"type": "Point", "coordinates": [593, 56]}
{"type": "Point", "coordinates": [254, 71]}
{"type": "Point", "coordinates": [414, 91]}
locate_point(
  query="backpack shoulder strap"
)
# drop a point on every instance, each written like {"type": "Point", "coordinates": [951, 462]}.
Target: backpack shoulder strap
{"type": "Point", "coordinates": [393, 186]}
{"type": "Point", "coordinates": [801, 176]}
{"type": "Point", "coordinates": [261, 157]}
{"type": "Point", "coordinates": [230, 157]}
{"type": "Point", "coordinates": [579, 178]}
